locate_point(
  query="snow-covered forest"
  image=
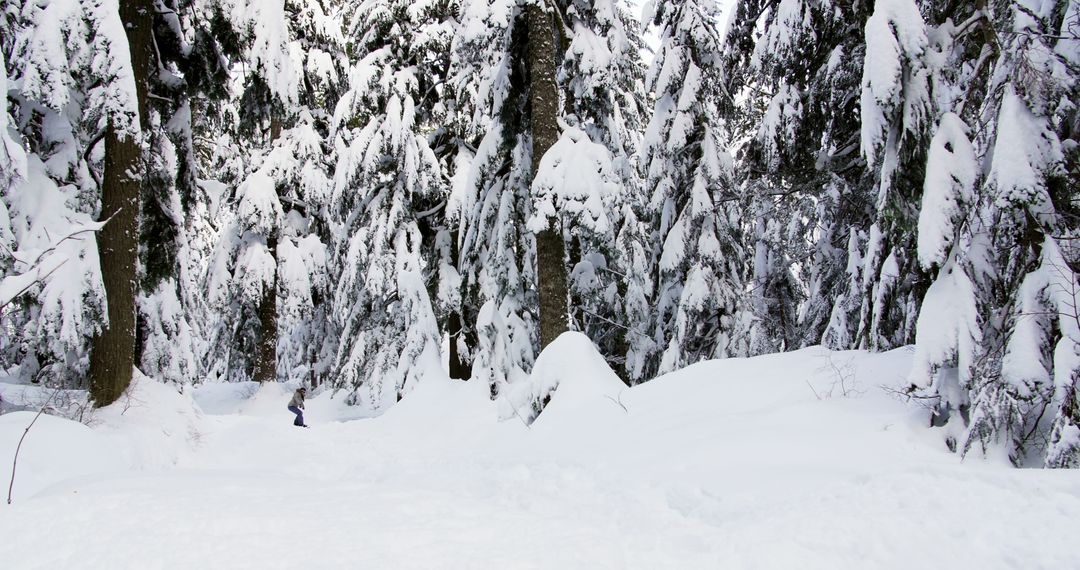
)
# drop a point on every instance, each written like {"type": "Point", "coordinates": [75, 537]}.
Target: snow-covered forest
{"type": "Point", "coordinates": [347, 193]}
{"type": "Point", "coordinates": [381, 199]}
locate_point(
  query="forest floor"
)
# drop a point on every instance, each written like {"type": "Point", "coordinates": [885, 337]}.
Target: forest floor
{"type": "Point", "coordinates": [802, 460]}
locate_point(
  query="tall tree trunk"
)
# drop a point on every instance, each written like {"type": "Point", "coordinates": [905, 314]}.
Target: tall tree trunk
{"type": "Point", "coordinates": [460, 364]}
{"type": "Point", "coordinates": [266, 360]}
{"type": "Point", "coordinates": [460, 369]}
{"type": "Point", "coordinates": [544, 99]}
{"type": "Point", "coordinates": [112, 353]}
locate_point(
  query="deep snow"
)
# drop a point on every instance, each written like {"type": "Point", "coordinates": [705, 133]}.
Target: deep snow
{"type": "Point", "coordinates": [743, 463]}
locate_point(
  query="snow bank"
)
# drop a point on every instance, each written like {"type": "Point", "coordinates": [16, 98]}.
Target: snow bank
{"type": "Point", "coordinates": [269, 399]}
{"type": "Point", "coordinates": [54, 450]}
{"type": "Point", "coordinates": [780, 461]}
{"type": "Point", "coordinates": [440, 400]}
{"type": "Point", "coordinates": [152, 424]}
{"type": "Point", "coordinates": [443, 418]}
{"type": "Point", "coordinates": [580, 384]}
{"type": "Point", "coordinates": [221, 398]}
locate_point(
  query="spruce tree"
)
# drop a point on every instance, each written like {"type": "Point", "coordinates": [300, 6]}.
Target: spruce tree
{"type": "Point", "coordinates": [281, 177]}
{"type": "Point", "coordinates": [998, 323]}
{"type": "Point", "coordinates": [601, 76]}
{"type": "Point", "coordinates": [691, 193]}
{"type": "Point", "coordinates": [190, 84]}
{"type": "Point", "coordinates": [895, 113]}
{"type": "Point", "coordinates": [515, 192]}
{"type": "Point", "coordinates": [496, 253]}
{"type": "Point", "coordinates": [794, 70]}
{"type": "Point", "coordinates": [386, 176]}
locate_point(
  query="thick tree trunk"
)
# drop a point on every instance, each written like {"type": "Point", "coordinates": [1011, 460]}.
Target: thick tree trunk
{"type": "Point", "coordinates": [275, 128]}
{"type": "Point", "coordinates": [460, 365]}
{"type": "Point", "coordinates": [112, 353]}
{"type": "Point", "coordinates": [266, 360]}
{"type": "Point", "coordinates": [544, 100]}
{"type": "Point", "coordinates": [460, 369]}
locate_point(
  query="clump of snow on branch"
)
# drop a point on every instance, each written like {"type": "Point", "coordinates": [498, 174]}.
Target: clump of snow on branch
{"type": "Point", "coordinates": [574, 183]}
{"type": "Point", "coordinates": [116, 101]}
{"type": "Point", "coordinates": [892, 73]}
{"type": "Point", "coordinates": [1025, 153]}
{"type": "Point", "coordinates": [948, 189]}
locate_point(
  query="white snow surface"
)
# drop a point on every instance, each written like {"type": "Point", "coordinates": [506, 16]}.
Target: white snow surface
{"type": "Point", "coordinates": [741, 463]}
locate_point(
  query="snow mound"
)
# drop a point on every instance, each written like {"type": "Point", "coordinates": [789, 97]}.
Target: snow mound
{"type": "Point", "coordinates": [223, 398]}
{"type": "Point", "coordinates": [577, 380]}
{"type": "Point", "coordinates": [439, 400]}
{"type": "Point", "coordinates": [268, 399]}
{"type": "Point", "coordinates": [153, 423]}
{"type": "Point", "coordinates": [55, 449]}
{"type": "Point", "coordinates": [441, 419]}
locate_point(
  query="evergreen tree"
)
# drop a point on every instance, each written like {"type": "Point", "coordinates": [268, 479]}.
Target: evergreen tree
{"type": "Point", "coordinates": [895, 115]}
{"type": "Point", "coordinates": [189, 83]}
{"type": "Point", "coordinates": [496, 253]}
{"type": "Point", "coordinates": [997, 335]}
{"type": "Point", "coordinates": [602, 78]}
{"type": "Point", "coordinates": [386, 175]}
{"type": "Point", "coordinates": [50, 191]}
{"type": "Point", "coordinates": [597, 72]}
{"type": "Point", "coordinates": [795, 68]}
{"type": "Point", "coordinates": [692, 199]}
{"type": "Point", "coordinates": [279, 206]}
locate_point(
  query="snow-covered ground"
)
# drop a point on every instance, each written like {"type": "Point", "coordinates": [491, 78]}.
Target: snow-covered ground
{"type": "Point", "coordinates": [755, 463]}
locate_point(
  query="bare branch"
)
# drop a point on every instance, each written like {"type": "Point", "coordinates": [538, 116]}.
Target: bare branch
{"type": "Point", "coordinates": [86, 156]}
{"type": "Point", "coordinates": [15, 461]}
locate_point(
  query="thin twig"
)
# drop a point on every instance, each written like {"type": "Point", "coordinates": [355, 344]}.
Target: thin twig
{"type": "Point", "coordinates": [72, 235]}
{"type": "Point", "coordinates": [816, 395]}
{"type": "Point", "coordinates": [618, 401]}
{"type": "Point", "coordinates": [611, 322]}
{"type": "Point", "coordinates": [15, 462]}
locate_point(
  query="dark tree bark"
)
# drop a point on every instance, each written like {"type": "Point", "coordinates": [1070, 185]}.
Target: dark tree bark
{"type": "Point", "coordinates": [266, 360]}
{"type": "Point", "coordinates": [112, 353]}
{"type": "Point", "coordinates": [544, 101]}
{"type": "Point", "coordinates": [460, 368]}
{"type": "Point", "coordinates": [460, 365]}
